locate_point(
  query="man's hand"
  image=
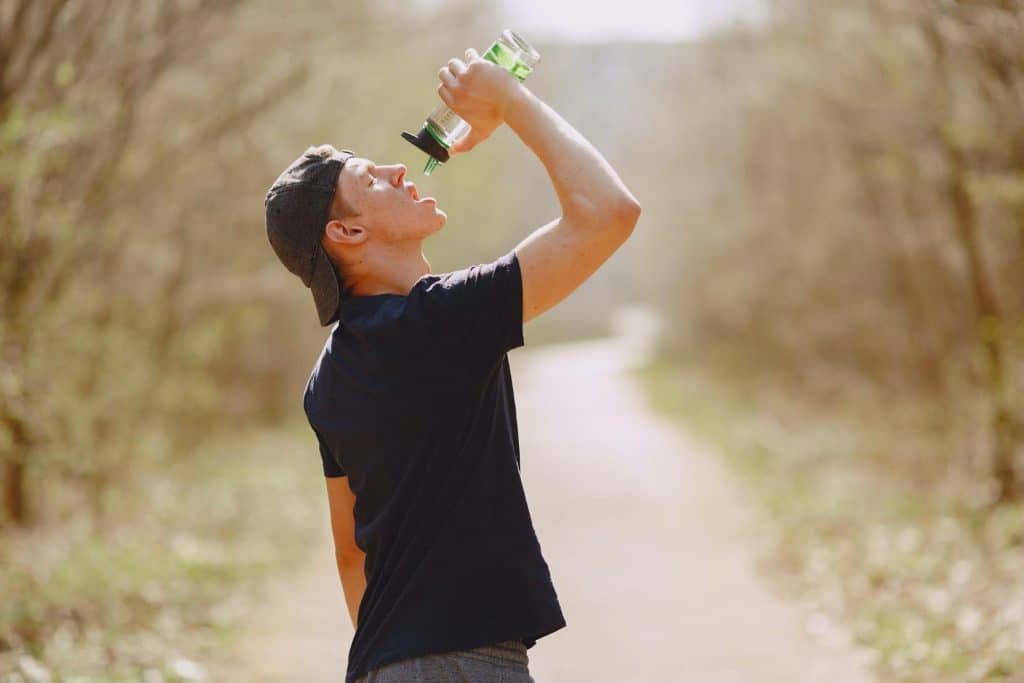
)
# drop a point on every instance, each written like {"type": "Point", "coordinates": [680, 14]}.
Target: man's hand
{"type": "Point", "coordinates": [480, 92]}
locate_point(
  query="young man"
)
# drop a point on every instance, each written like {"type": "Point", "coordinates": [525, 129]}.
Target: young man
{"type": "Point", "coordinates": [411, 399]}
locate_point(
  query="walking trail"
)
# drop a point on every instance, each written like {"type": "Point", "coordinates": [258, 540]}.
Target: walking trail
{"type": "Point", "coordinates": [651, 548]}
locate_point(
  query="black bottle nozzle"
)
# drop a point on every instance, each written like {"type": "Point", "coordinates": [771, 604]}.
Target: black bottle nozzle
{"type": "Point", "coordinates": [427, 143]}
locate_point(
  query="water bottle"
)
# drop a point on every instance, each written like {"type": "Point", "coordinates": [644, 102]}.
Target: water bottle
{"type": "Point", "coordinates": [443, 126]}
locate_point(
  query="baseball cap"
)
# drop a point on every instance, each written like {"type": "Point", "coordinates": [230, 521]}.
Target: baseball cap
{"type": "Point", "coordinates": [297, 208]}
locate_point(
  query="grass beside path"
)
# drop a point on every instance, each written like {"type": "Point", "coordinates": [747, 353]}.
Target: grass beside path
{"type": "Point", "coordinates": [867, 529]}
{"type": "Point", "coordinates": [158, 590]}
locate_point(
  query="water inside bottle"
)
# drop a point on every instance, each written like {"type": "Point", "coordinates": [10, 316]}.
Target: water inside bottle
{"type": "Point", "coordinates": [505, 58]}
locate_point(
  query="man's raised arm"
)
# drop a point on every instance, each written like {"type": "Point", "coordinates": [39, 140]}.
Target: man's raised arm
{"type": "Point", "coordinates": [598, 212]}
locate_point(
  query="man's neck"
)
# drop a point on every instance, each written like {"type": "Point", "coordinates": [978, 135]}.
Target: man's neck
{"type": "Point", "coordinates": [395, 273]}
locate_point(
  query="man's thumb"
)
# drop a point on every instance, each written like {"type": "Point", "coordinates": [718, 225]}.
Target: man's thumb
{"type": "Point", "coordinates": [465, 143]}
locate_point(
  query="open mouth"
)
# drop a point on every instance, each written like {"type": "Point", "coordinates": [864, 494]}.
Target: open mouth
{"type": "Point", "coordinates": [414, 193]}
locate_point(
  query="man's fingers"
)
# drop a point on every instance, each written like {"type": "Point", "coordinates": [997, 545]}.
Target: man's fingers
{"type": "Point", "coordinates": [449, 76]}
{"type": "Point", "coordinates": [457, 66]}
{"type": "Point", "coordinates": [446, 96]}
{"type": "Point", "coordinates": [446, 77]}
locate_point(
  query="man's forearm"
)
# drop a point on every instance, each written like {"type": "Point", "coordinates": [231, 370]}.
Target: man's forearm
{"type": "Point", "coordinates": [583, 179]}
{"type": "Point", "coordinates": [353, 584]}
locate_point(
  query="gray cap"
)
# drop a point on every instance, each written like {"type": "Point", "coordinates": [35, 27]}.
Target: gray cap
{"type": "Point", "coordinates": [297, 208]}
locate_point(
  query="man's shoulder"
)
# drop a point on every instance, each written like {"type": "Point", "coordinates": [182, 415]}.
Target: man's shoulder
{"type": "Point", "coordinates": [466, 290]}
{"type": "Point", "coordinates": [470, 273]}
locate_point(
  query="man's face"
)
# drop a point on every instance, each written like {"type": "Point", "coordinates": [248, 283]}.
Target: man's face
{"type": "Point", "coordinates": [389, 207]}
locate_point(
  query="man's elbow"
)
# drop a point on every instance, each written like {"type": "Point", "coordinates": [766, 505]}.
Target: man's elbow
{"type": "Point", "coordinates": [619, 215]}
{"type": "Point", "coordinates": [626, 214]}
{"type": "Point", "coordinates": [349, 557]}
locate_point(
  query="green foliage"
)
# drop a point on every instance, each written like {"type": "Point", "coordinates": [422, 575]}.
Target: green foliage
{"type": "Point", "coordinates": [132, 595]}
{"type": "Point", "coordinates": [141, 307]}
{"type": "Point", "coordinates": [837, 197]}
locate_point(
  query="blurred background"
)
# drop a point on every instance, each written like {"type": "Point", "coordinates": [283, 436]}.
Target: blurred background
{"type": "Point", "coordinates": [831, 246]}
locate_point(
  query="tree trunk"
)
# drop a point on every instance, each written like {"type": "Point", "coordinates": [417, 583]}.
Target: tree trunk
{"type": "Point", "coordinates": [15, 495]}
{"type": "Point", "coordinates": [990, 321]}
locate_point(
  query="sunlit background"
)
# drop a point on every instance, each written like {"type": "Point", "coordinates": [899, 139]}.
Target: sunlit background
{"type": "Point", "coordinates": [644, 21]}
{"type": "Point", "coordinates": [823, 298]}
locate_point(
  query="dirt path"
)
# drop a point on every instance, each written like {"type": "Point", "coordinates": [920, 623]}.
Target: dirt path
{"type": "Point", "coordinates": [649, 544]}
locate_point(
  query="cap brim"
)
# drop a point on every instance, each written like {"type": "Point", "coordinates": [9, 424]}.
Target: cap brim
{"type": "Point", "coordinates": [324, 285]}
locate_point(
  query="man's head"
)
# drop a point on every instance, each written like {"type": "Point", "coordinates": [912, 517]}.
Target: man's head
{"type": "Point", "coordinates": [341, 223]}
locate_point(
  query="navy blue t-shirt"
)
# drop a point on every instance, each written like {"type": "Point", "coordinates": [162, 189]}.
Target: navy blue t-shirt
{"type": "Point", "coordinates": [412, 399]}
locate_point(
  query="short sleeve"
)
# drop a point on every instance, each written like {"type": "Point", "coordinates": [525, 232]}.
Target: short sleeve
{"type": "Point", "coordinates": [477, 312]}
{"type": "Point", "coordinates": [332, 468]}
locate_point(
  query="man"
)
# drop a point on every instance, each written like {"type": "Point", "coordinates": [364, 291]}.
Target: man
{"type": "Point", "coordinates": [411, 399]}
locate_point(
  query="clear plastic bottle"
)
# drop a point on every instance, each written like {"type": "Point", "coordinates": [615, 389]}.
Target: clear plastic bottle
{"type": "Point", "coordinates": [443, 126]}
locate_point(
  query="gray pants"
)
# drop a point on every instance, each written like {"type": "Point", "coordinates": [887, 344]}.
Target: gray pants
{"type": "Point", "coordinates": [505, 662]}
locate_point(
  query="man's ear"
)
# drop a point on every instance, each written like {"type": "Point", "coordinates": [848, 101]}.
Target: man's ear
{"type": "Point", "coordinates": [345, 233]}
